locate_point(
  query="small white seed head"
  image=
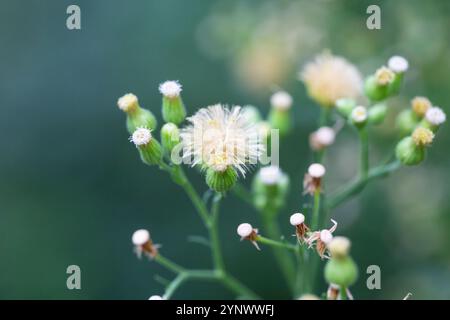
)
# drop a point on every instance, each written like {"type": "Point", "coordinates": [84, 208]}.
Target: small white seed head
{"type": "Point", "coordinates": [297, 219]}
{"type": "Point", "coordinates": [326, 236]}
{"type": "Point", "coordinates": [281, 100]}
{"type": "Point", "coordinates": [244, 230]}
{"type": "Point", "coordinates": [127, 102]}
{"type": "Point", "coordinates": [398, 64]}
{"type": "Point", "coordinates": [270, 175]}
{"type": "Point", "coordinates": [359, 114]}
{"type": "Point", "coordinates": [170, 89]}
{"type": "Point", "coordinates": [339, 246]}
{"type": "Point", "coordinates": [325, 136]}
{"type": "Point", "coordinates": [436, 116]}
{"type": "Point", "coordinates": [140, 237]}
{"type": "Point", "coordinates": [155, 297]}
{"type": "Point", "coordinates": [141, 136]}
{"type": "Point", "coordinates": [316, 170]}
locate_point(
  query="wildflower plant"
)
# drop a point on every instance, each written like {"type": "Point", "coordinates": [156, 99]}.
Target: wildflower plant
{"type": "Point", "coordinates": [224, 143]}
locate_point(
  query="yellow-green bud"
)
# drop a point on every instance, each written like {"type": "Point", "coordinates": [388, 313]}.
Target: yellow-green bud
{"type": "Point", "coordinates": [345, 106]}
{"type": "Point", "coordinates": [377, 113]}
{"type": "Point", "coordinates": [136, 116]}
{"type": "Point", "coordinates": [406, 122]}
{"type": "Point", "coordinates": [221, 181]}
{"type": "Point", "coordinates": [376, 86]}
{"type": "Point", "coordinates": [342, 272]}
{"type": "Point", "coordinates": [173, 109]}
{"type": "Point", "coordinates": [170, 136]}
{"type": "Point", "coordinates": [408, 153]}
{"type": "Point", "coordinates": [149, 148]}
{"type": "Point", "coordinates": [359, 116]}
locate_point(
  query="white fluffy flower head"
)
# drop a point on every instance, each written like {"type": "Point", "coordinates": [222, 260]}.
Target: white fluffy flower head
{"type": "Point", "coordinates": [127, 102]}
{"type": "Point", "coordinates": [325, 136]}
{"type": "Point", "coordinates": [170, 89]}
{"type": "Point", "coordinates": [155, 297]}
{"type": "Point", "coordinates": [297, 219]}
{"type": "Point", "coordinates": [270, 175]}
{"type": "Point", "coordinates": [329, 78]}
{"type": "Point", "coordinates": [359, 114]}
{"type": "Point", "coordinates": [218, 138]}
{"type": "Point", "coordinates": [398, 64]}
{"type": "Point", "coordinates": [281, 100]}
{"type": "Point", "coordinates": [244, 230]}
{"type": "Point", "coordinates": [140, 237]}
{"type": "Point", "coordinates": [326, 236]}
{"type": "Point", "coordinates": [316, 170]}
{"type": "Point", "coordinates": [436, 116]}
{"type": "Point", "coordinates": [141, 136]}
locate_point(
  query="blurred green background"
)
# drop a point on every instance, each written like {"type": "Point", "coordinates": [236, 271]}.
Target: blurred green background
{"type": "Point", "coordinates": [72, 188]}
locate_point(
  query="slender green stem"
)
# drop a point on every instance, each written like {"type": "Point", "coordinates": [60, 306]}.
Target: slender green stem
{"type": "Point", "coordinates": [189, 275]}
{"type": "Point", "coordinates": [282, 257]}
{"type": "Point", "coordinates": [343, 293]}
{"type": "Point", "coordinates": [358, 185]}
{"type": "Point", "coordinates": [169, 264]}
{"type": "Point", "coordinates": [300, 276]}
{"type": "Point", "coordinates": [174, 285]}
{"type": "Point", "coordinates": [364, 153]}
{"type": "Point", "coordinates": [214, 234]}
{"type": "Point", "coordinates": [275, 243]}
{"type": "Point", "coordinates": [237, 287]}
{"type": "Point", "coordinates": [316, 210]}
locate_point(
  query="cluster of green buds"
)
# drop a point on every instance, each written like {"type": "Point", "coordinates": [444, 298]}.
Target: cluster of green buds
{"type": "Point", "coordinates": [386, 81]}
{"type": "Point", "coordinates": [418, 126]}
{"type": "Point", "coordinates": [340, 270]}
{"type": "Point", "coordinates": [141, 123]}
{"type": "Point", "coordinates": [358, 115]}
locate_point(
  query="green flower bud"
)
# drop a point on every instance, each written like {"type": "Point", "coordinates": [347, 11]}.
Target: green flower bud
{"type": "Point", "coordinates": [345, 106]}
{"type": "Point", "coordinates": [408, 153]}
{"type": "Point", "coordinates": [170, 136]}
{"type": "Point", "coordinates": [173, 109]}
{"type": "Point", "coordinates": [359, 116]}
{"type": "Point", "coordinates": [374, 91]}
{"type": "Point", "coordinates": [342, 272]}
{"type": "Point", "coordinates": [136, 116]}
{"type": "Point", "coordinates": [149, 148]}
{"type": "Point", "coordinates": [279, 116]}
{"type": "Point", "coordinates": [406, 122]}
{"type": "Point", "coordinates": [252, 114]}
{"type": "Point", "coordinates": [270, 187]}
{"type": "Point", "coordinates": [377, 113]}
{"type": "Point", "coordinates": [395, 86]}
{"type": "Point", "coordinates": [221, 181]}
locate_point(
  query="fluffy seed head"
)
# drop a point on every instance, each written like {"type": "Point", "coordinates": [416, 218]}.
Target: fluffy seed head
{"type": "Point", "coordinates": [297, 219]}
{"type": "Point", "coordinates": [420, 105]}
{"type": "Point", "coordinates": [422, 136]}
{"type": "Point", "coordinates": [244, 230]}
{"type": "Point", "coordinates": [270, 175]}
{"type": "Point", "coordinates": [316, 170]}
{"type": "Point", "coordinates": [339, 246]}
{"type": "Point", "coordinates": [170, 89]}
{"type": "Point", "coordinates": [155, 297]}
{"type": "Point", "coordinates": [325, 136]}
{"type": "Point", "coordinates": [329, 78]}
{"type": "Point", "coordinates": [398, 64]}
{"type": "Point", "coordinates": [127, 102]}
{"type": "Point", "coordinates": [384, 76]}
{"type": "Point", "coordinates": [326, 236]}
{"type": "Point", "coordinates": [140, 237]}
{"type": "Point", "coordinates": [141, 136]}
{"type": "Point", "coordinates": [359, 114]}
{"type": "Point", "coordinates": [281, 100]}
{"type": "Point", "coordinates": [218, 137]}
{"type": "Point", "coordinates": [435, 116]}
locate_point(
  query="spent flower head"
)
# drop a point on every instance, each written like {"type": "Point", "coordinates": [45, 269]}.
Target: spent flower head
{"type": "Point", "coordinates": [329, 78]}
{"type": "Point", "coordinates": [270, 175]}
{"type": "Point", "coordinates": [143, 244]}
{"type": "Point", "coordinates": [247, 232]}
{"type": "Point", "coordinates": [322, 138]}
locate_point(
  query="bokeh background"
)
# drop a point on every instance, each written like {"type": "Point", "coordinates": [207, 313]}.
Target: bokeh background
{"type": "Point", "coordinates": [72, 188]}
